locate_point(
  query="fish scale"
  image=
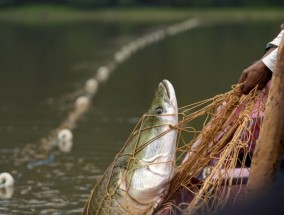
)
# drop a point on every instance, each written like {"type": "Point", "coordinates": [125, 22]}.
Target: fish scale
{"type": "Point", "coordinates": [139, 176]}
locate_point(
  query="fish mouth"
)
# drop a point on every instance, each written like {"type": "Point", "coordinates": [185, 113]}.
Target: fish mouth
{"type": "Point", "coordinates": [169, 89]}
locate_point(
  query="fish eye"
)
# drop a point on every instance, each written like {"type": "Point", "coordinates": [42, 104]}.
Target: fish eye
{"type": "Point", "coordinates": [159, 110]}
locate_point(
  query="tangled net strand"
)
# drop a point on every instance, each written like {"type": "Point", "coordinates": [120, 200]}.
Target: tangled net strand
{"type": "Point", "coordinates": [216, 138]}
{"type": "Point", "coordinates": [214, 168]}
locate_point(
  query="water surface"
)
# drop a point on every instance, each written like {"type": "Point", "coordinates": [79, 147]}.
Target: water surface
{"type": "Point", "coordinates": [42, 66]}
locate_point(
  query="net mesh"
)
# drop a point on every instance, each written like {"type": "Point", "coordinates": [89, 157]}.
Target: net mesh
{"type": "Point", "coordinates": [213, 162]}
{"type": "Point", "coordinates": [216, 139]}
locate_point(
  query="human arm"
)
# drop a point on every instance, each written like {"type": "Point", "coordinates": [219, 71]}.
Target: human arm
{"type": "Point", "coordinates": [259, 73]}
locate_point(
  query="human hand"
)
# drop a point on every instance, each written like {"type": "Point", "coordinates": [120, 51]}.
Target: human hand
{"type": "Point", "coordinates": [258, 74]}
{"type": "Point", "coordinates": [255, 75]}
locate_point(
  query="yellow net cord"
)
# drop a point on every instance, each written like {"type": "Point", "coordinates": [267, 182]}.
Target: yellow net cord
{"type": "Point", "coordinates": [213, 163]}
{"type": "Point", "coordinates": [216, 138]}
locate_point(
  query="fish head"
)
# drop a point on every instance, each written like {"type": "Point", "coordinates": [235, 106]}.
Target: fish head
{"type": "Point", "coordinates": [159, 134]}
{"type": "Point", "coordinates": [165, 101]}
{"type": "Point", "coordinates": [155, 147]}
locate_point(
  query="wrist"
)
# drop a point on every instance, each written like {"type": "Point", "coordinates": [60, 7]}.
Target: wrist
{"type": "Point", "coordinates": [269, 47]}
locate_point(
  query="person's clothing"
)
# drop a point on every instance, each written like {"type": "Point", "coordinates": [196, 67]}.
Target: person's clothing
{"type": "Point", "coordinates": [270, 60]}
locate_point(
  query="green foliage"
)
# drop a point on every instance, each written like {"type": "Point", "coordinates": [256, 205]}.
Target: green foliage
{"type": "Point", "coordinates": [7, 2]}
{"type": "Point", "coordinates": [90, 3]}
{"type": "Point", "coordinates": [106, 3]}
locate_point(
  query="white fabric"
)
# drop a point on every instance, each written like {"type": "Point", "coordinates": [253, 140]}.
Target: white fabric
{"type": "Point", "coordinates": [277, 40]}
{"type": "Point", "coordinates": [270, 59]}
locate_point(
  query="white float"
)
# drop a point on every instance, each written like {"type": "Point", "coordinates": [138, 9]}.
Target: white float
{"type": "Point", "coordinates": [91, 86]}
{"type": "Point", "coordinates": [102, 74]}
{"type": "Point", "coordinates": [65, 140]}
{"type": "Point", "coordinates": [6, 180]}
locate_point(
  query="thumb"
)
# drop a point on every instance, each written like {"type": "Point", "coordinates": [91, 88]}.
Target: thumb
{"type": "Point", "coordinates": [246, 88]}
{"type": "Point", "coordinates": [243, 77]}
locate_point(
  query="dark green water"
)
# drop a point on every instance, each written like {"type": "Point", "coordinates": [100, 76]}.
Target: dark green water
{"type": "Point", "coordinates": [41, 67]}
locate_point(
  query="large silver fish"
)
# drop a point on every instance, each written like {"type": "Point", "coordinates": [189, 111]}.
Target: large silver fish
{"type": "Point", "coordinates": [138, 179]}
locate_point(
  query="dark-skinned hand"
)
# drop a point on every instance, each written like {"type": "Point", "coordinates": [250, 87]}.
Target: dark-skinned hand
{"type": "Point", "coordinates": [256, 75]}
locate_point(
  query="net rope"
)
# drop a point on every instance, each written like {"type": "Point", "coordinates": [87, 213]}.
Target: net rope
{"type": "Point", "coordinates": [216, 139]}
{"type": "Point", "coordinates": [217, 155]}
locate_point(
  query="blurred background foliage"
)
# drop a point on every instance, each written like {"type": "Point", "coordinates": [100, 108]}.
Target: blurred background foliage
{"type": "Point", "coordinates": [117, 3]}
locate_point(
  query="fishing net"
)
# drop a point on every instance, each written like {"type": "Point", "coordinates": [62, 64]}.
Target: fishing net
{"type": "Point", "coordinates": [216, 139]}
{"type": "Point", "coordinates": [213, 162]}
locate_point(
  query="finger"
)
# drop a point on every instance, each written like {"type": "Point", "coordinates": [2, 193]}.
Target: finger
{"type": "Point", "coordinates": [282, 26]}
{"type": "Point", "coordinates": [246, 89]}
{"type": "Point", "coordinates": [248, 83]}
{"type": "Point", "coordinates": [243, 77]}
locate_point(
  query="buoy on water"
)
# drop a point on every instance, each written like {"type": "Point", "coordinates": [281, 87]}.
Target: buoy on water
{"type": "Point", "coordinates": [6, 185]}
{"type": "Point", "coordinates": [91, 86]}
{"type": "Point", "coordinates": [82, 103]}
{"type": "Point", "coordinates": [102, 74]}
{"type": "Point", "coordinates": [6, 180]}
{"type": "Point", "coordinates": [65, 140]}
